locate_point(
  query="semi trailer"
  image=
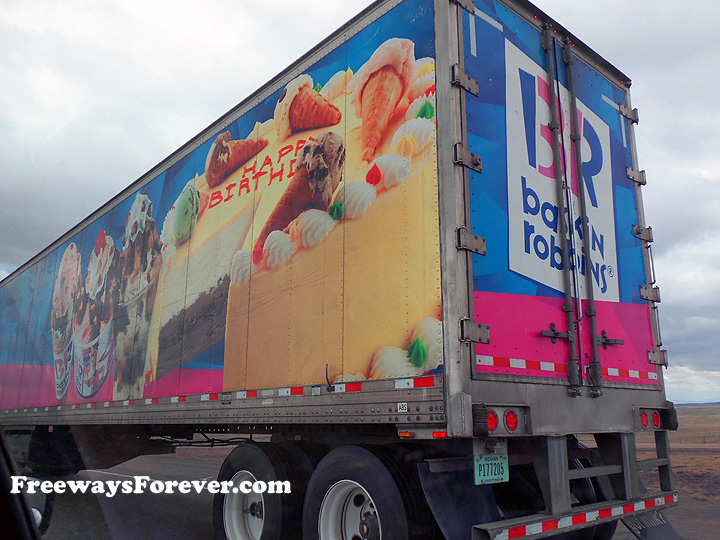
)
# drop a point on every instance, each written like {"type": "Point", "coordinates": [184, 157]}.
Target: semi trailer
{"type": "Point", "coordinates": [416, 262]}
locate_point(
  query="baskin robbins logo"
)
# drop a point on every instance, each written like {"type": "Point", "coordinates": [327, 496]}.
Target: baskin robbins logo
{"type": "Point", "coordinates": [533, 210]}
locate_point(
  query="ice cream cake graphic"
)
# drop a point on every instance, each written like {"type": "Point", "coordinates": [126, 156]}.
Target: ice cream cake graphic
{"type": "Point", "coordinates": [197, 250]}
{"type": "Point", "coordinates": [310, 264]}
{"type": "Point", "coordinates": [140, 264]}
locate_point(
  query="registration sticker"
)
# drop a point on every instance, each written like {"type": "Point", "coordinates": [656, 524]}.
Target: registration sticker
{"type": "Point", "coordinates": [491, 469]}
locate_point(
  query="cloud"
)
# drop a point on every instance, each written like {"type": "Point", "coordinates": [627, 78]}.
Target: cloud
{"type": "Point", "coordinates": [686, 385]}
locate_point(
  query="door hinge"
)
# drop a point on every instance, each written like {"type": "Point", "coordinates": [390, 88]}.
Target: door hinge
{"type": "Point", "coordinates": [462, 156]}
{"type": "Point", "coordinates": [471, 242]}
{"type": "Point", "coordinates": [463, 80]}
{"type": "Point", "coordinates": [643, 233]}
{"type": "Point", "coordinates": [630, 114]}
{"type": "Point", "coordinates": [604, 340]}
{"type": "Point", "coordinates": [472, 332]}
{"type": "Point", "coordinates": [468, 5]}
{"type": "Point", "coordinates": [650, 293]}
{"type": "Point", "coordinates": [636, 176]}
{"type": "Point", "coordinates": [659, 357]}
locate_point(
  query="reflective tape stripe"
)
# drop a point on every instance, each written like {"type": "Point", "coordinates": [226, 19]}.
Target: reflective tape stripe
{"type": "Point", "coordinates": [519, 363]}
{"type": "Point", "coordinates": [427, 381]}
{"type": "Point", "coordinates": [556, 367]}
{"type": "Point", "coordinates": [523, 531]}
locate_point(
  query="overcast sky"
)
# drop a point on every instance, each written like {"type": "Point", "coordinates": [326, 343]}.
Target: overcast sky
{"type": "Point", "coordinates": [95, 93]}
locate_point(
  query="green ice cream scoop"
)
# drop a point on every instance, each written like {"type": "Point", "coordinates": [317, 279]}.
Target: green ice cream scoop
{"type": "Point", "coordinates": [187, 208]}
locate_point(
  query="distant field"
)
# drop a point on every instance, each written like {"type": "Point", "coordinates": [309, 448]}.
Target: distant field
{"type": "Point", "coordinates": [698, 425]}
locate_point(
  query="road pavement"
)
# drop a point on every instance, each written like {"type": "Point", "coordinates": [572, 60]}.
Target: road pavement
{"type": "Point", "coordinates": [145, 516]}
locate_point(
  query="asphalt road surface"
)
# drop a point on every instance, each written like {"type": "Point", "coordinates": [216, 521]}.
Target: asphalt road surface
{"type": "Point", "coordinates": [144, 516]}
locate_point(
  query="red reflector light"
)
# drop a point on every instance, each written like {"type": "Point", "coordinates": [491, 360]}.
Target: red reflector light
{"type": "Point", "coordinates": [656, 419]}
{"type": "Point", "coordinates": [439, 434]}
{"type": "Point", "coordinates": [644, 419]}
{"type": "Point", "coordinates": [492, 421]}
{"type": "Point", "coordinates": [511, 420]}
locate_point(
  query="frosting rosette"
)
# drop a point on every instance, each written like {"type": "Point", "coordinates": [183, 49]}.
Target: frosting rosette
{"type": "Point", "coordinates": [349, 377]}
{"type": "Point", "coordinates": [428, 333]}
{"type": "Point", "coordinates": [337, 85]}
{"type": "Point", "coordinates": [422, 107]}
{"type": "Point", "coordinates": [421, 86]}
{"type": "Point", "coordinates": [242, 267]}
{"type": "Point", "coordinates": [423, 66]}
{"type": "Point", "coordinates": [278, 249]}
{"type": "Point", "coordinates": [262, 129]}
{"type": "Point", "coordinates": [310, 227]}
{"type": "Point", "coordinates": [392, 362]}
{"type": "Point", "coordinates": [388, 171]}
{"type": "Point", "coordinates": [356, 198]}
{"type": "Point", "coordinates": [413, 137]}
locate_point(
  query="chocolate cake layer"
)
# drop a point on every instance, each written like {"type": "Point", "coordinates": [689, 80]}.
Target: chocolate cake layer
{"type": "Point", "coordinates": [194, 329]}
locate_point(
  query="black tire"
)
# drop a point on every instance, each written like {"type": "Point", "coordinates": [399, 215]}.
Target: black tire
{"type": "Point", "coordinates": [279, 515]}
{"type": "Point", "coordinates": [371, 482]}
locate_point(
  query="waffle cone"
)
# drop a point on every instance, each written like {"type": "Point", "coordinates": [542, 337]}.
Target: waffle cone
{"type": "Point", "coordinates": [310, 110]}
{"type": "Point", "coordinates": [239, 153]}
{"type": "Point", "coordinates": [296, 199]}
{"type": "Point", "coordinates": [380, 96]}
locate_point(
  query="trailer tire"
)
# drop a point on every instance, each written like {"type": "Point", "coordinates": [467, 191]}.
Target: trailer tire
{"type": "Point", "coordinates": [267, 516]}
{"type": "Point", "coordinates": [365, 492]}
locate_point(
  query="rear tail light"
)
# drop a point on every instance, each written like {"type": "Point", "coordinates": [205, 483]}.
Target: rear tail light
{"type": "Point", "coordinates": [644, 419]}
{"type": "Point", "coordinates": [511, 420]}
{"type": "Point", "coordinates": [656, 419]}
{"type": "Point", "coordinates": [492, 421]}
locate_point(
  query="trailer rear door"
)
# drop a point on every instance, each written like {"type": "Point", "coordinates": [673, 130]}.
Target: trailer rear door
{"type": "Point", "coordinates": [545, 327]}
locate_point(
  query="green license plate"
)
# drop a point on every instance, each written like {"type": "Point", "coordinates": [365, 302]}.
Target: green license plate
{"type": "Point", "coordinates": [491, 469]}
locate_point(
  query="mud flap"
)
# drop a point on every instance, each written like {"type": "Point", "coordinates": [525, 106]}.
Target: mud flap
{"type": "Point", "coordinates": [456, 502]}
{"type": "Point", "coordinates": [651, 526]}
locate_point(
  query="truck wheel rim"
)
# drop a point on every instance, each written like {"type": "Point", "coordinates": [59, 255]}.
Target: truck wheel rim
{"type": "Point", "coordinates": [243, 513]}
{"type": "Point", "coordinates": [348, 512]}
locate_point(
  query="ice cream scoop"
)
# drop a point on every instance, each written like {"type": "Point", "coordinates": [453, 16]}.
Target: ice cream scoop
{"type": "Point", "coordinates": [379, 85]}
{"type": "Point", "coordinates": [67, 282]}
{"type": "Point", "coordinates": [137, 218]}
{"type": "Point", "coordinates": [318, 172]}
{"type": "Point", "coordinates": [324, 160]}
{"type": "Point", "coordinates": [186, 212]}
{"type": "Point", "coordinates": [101, 260]}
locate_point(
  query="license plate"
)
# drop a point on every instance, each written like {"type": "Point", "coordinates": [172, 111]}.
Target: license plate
{"type": "Point", "coordinates": [491, 469]}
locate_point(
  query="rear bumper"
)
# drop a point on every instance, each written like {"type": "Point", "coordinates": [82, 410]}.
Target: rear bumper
{"type": "Point", "coordinates": [545, 525]}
